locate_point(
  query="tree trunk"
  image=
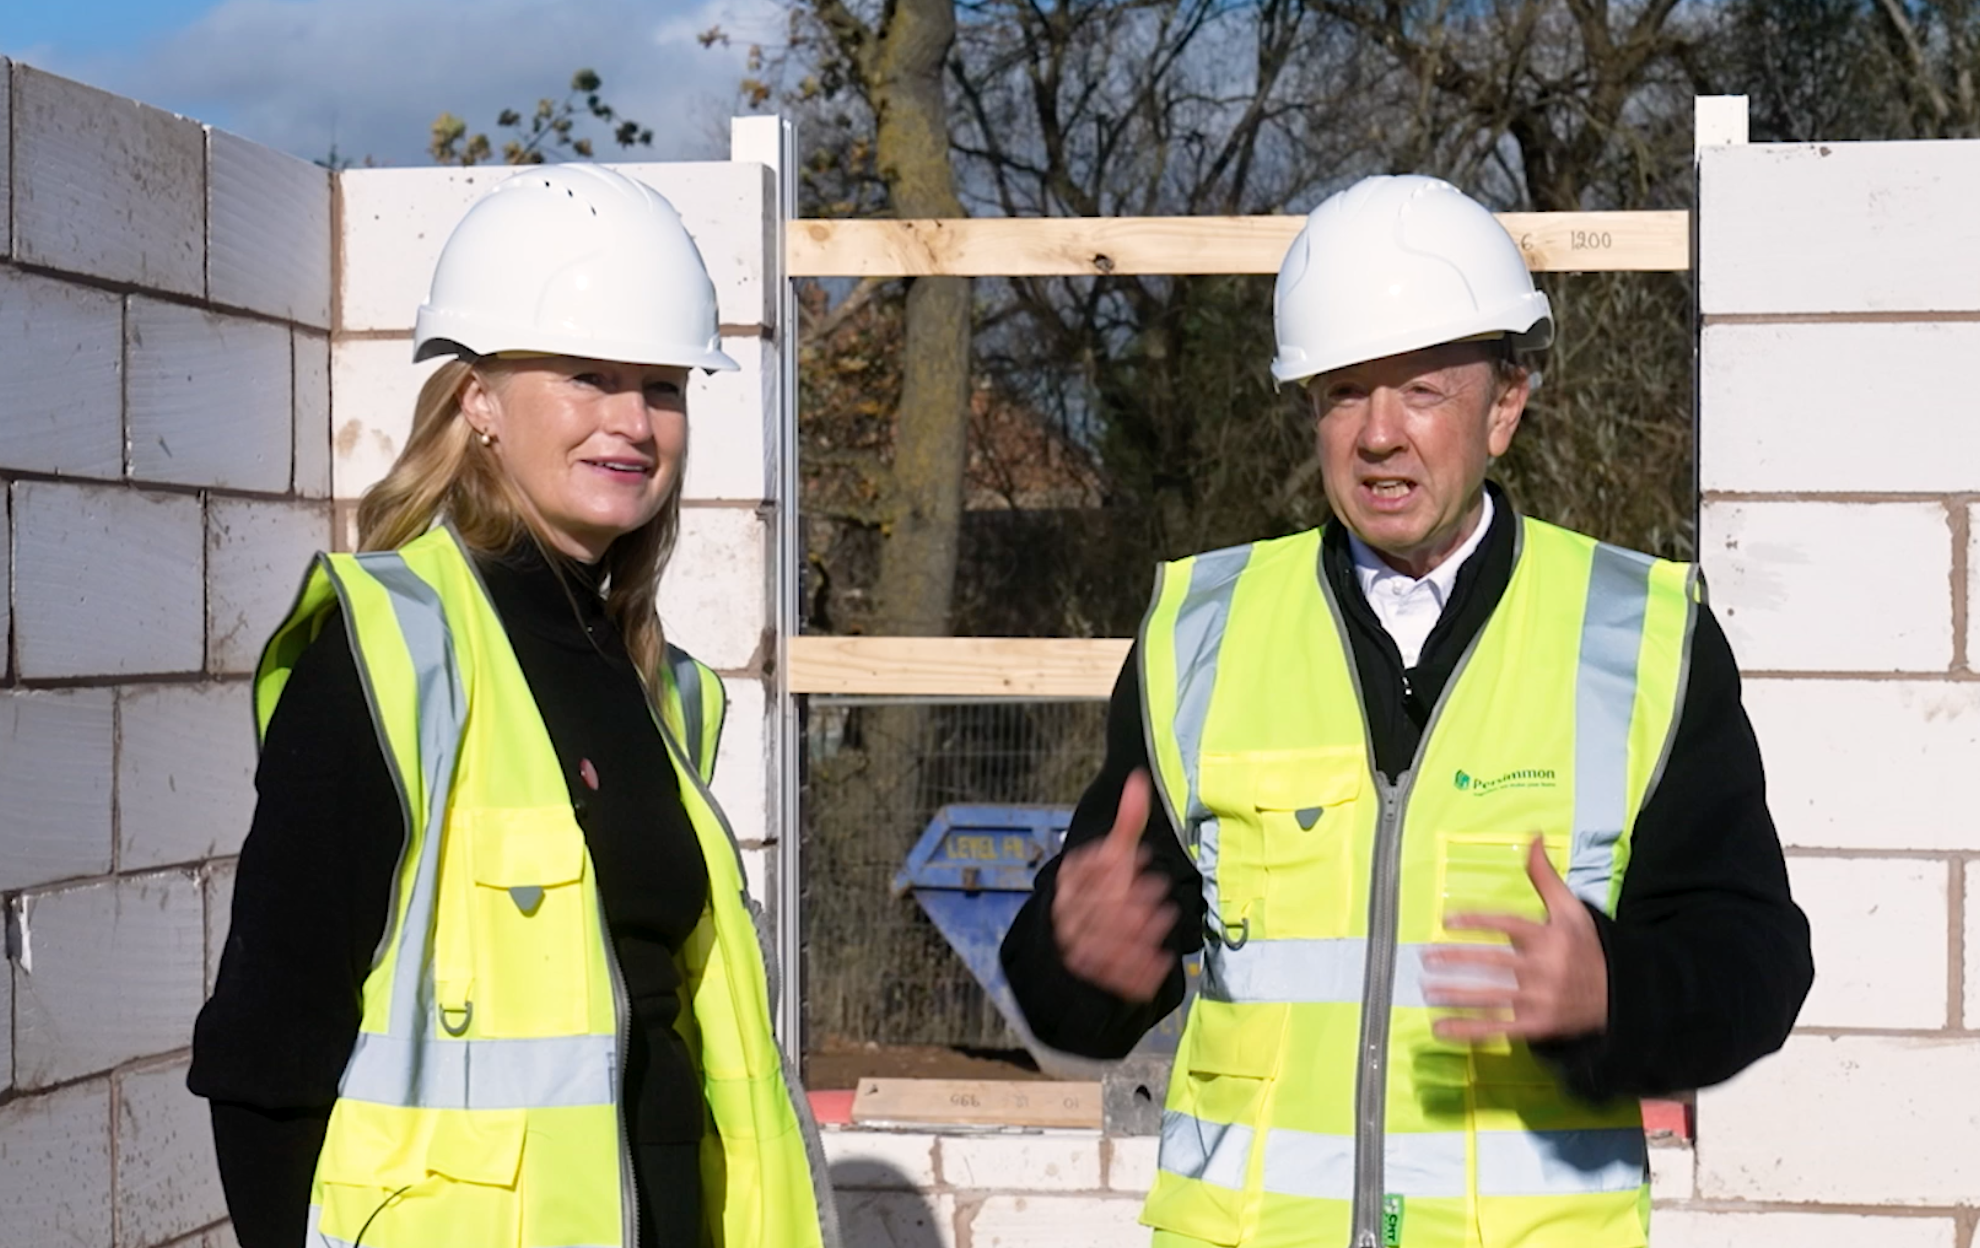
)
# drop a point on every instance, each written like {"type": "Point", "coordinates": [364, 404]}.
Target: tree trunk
{"type": "Point", "coordinates": [918, 562]}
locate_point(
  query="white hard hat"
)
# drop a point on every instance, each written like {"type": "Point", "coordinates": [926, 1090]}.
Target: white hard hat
{"type": "Point", "coordinates": [1395, 264]}
{"type": "Point", "coordinates": [572, 259]}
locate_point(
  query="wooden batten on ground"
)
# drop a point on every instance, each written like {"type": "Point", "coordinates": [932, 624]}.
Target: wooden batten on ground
{"type": "Point", "coordinates": [1016, 1103]}
{"type": "Point", "coordinates": [1555, 242]}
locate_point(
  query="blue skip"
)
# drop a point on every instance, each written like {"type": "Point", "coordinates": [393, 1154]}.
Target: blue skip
{"type": "Point", "coordinates": [971, 871]}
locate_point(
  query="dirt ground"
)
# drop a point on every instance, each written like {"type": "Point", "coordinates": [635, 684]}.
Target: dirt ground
{"type": "Point", "coordinates": [842, 1064]}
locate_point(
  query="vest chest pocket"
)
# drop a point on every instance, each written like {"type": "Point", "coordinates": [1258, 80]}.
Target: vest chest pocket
{"type": "Point", "coordinates": [1285, 839]}
{"type": "Point", "coordinates": [530, 927]}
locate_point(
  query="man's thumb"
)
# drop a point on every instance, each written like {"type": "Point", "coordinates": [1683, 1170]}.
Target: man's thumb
{"type": "Point", "coordinates": [1131, 819]}
{"type": "Point", "coordinates": [1547, 881]}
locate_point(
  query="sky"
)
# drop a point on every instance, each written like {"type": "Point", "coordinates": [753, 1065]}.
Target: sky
{"type": "Point", "coordinates": [369, 76]}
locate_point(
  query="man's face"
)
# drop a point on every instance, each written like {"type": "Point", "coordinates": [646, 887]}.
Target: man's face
{"type": "Point", "coordinates": [1405, 442]}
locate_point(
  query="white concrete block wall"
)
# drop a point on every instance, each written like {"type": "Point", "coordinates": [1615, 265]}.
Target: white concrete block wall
{"type": "Point", "coordinates": [137, 584]}
{"type": "Point", "coordinates": [1845, 580]}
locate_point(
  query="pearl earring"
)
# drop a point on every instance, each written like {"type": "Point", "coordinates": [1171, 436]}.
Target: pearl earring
{"type": "Point", "coordinates": [487, 439]}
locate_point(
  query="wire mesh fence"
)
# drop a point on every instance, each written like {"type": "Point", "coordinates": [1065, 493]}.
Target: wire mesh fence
{"type": "Point", "coordinates": [875, 772]}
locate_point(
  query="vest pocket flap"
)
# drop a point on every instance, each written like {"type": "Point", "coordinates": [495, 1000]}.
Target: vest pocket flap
{"type": "Point", "coordinates": [391, 1146]}
{"type": "Point", "coordinates": [1241, 1040]}
{"type": "Point", "coordinates": [526, 848]}
{"type": "Point", "coordinates": [1283, 780]}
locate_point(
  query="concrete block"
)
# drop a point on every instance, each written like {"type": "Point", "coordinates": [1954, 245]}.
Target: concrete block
{"type": "Point", "coordinates": [1131, 1163]}
{"type": "Point", "coordinates": [56, 749]}
{"type": "Point", "coordinates": [1890, 219]}
{"type": "Point", "coordinates": [168, 1183]}
{"type": "Point", "coordinates": [1054, 1221]}
{"type": "Point", "coordinates": [209, 398]}
{"type": "Point", "coordinates": [106, 186]}
{"type": "Point", "coordinates": [1879, 929]}
{"type": "Point", "coordinates": [185, 773]}
{"type": "Point", "coordinates": [256, 555]}
{"type": "Point", "coordinates": [395, 222]}
{"type": "Point", "coordinates": [267, 231]}
{"type": "Point", "coordinates": [1698, 1228]}
{"type": "Point", "coordinates": [897, 1219]}
{"type": "Point", "coordinates": [373, 386]}
{"type": "Point", "coordinates": [55, 1168]}
{"type": "Point", "coordinates": [1824, 783]}
{"type": "Point", "coordinates": [219, 914]}
{"type": "Point", "coordinates": [714, 598]}
{"type": "Point", "coordinates": [1068, 1162]}
{"type": "Point", "coordinates": [730, 208]}
{"type": "Point", "coordinates": [1782, 407]}
{"type": "Point", "coordinates": [114, 972]}
{"type": "Point", "coordinates": [1783, 583]}
{"type": "Point", "coordinates": [742, 764]}
{"type": "Point", "coordinates": [880, 1160]}
{"type": "Point", "coordinates": [61, 377]}
{"type": "Point", "coordinates": [730, 419]}
{"type": "Point", "coordinates": [312, 407]}
{"type": "Point", "coordinates": [1846, 1120]}
{"type": "Point", "coordinates": [1672, 1176]}
{"type": "Point", "coordinates": [107, 581]}
{"type": "Point", "coordinates": [756, 874]}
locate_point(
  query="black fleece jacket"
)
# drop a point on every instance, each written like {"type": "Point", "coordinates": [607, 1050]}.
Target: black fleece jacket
{"type": "Point", "coordinates": [1708, 955]}
{"type": "Point", "coordinates": [315, 878]}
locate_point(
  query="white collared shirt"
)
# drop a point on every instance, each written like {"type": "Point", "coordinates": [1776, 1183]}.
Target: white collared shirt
{"type": "Point", "coordinates": [1407, 607]}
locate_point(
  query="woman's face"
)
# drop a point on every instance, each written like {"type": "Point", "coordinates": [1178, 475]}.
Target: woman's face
{"type": "Point", "coordinates": [593, 447]}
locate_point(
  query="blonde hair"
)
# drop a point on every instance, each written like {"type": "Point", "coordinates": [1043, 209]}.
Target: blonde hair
{"type": "Point", "coordinates": [446, 474]}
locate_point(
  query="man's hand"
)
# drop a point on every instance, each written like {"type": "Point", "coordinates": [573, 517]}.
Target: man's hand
{"type": "Point", "coordinates": [1109, 915]}
{"type": "Point", "coordinates": [1554, 981]}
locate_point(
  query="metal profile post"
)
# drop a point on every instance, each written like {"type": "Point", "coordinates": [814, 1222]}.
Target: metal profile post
{"type": "Point", "coordinates": [772, 141]}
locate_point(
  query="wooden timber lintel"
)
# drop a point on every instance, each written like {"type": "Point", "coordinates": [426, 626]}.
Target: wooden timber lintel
{"type": "Point", "coordinates": [998, 667]}
{"type": "Point", "coordinates": [1558, 242]}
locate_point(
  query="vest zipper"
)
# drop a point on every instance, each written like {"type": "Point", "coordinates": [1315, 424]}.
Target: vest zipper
{"type": "Point", "coordinates": [621, 1015]}
{"type": "Point", "coordinates": [1371, 1080]}
{"type": "Point", "coordinates": [1371, 1091]}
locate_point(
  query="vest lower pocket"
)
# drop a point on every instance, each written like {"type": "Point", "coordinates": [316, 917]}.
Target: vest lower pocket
{"type": "Point", "coordinates": [1213, 1132]}
{"type": "Point", "coordinates": [421, 1176]}
{"type": "Point", "coordinates": [1551, 1172]}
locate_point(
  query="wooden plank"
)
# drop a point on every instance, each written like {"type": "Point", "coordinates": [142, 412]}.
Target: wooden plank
{"type": "Point", "coordinates": [1005, 667]}
{"type": "Point", "coordinates": [1090, 246]}
{"type": "Point", "coordinates": [1002, 1103]}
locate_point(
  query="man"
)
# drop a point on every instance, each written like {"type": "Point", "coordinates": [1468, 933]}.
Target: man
{"type": "Point", "coordinates": [1462, 809]}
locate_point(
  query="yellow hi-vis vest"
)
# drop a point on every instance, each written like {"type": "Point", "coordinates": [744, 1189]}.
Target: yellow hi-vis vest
{"type": "Point", "coordinates": [481, 1103]}
{"type": "Point", "coordinates": [1310, 1103]}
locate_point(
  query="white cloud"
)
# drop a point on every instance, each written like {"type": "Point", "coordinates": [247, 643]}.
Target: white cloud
{"type": "Point", "coordinates": [371, 75]}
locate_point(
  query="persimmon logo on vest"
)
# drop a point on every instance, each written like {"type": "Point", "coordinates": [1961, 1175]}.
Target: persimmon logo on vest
{"type": "Point", "coordinates": [1525, 778]}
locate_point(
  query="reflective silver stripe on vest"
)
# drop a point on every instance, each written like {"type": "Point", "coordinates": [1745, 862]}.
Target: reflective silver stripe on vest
{"type": "Point", "coordinates": [1425, 1164]}
{"type": "Point", "coordinates": [1311, 972]}
{"type": "Point", "coordinates": [524, 1073]}
{"type": "Point", "coordinates": [1317, 973]}
{"type": "Point", "coordinates": [1199, 636]}
{"type": "Point", "coordinates": [687, 684]}
{"type": "Point", "coordinates": [442, 708]}
{"type": "Point", "coordinates": [1209, 1152]}
{"type": "Point", "coordinates": [1604, 705]}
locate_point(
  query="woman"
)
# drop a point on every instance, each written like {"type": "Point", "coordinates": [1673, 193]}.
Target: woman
{"type": "Point", "coordinates": [492, 978]}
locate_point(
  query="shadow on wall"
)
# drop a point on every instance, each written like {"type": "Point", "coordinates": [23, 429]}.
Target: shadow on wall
{"type": "Point", "coordinates": [880, 1206]}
